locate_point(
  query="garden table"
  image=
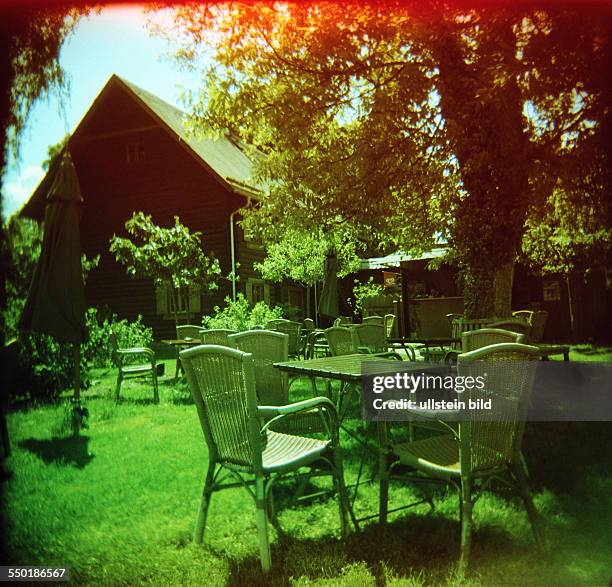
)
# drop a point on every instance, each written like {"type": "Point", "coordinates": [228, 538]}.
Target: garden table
{"type": "Point", "coordinates": [427, 342]}
{"type": "Point", "coordinates": [346, 369]}
{"type": "Point", "coordinates": [548, 350]}
{"type": "Point", "coordinates": [178, 344]}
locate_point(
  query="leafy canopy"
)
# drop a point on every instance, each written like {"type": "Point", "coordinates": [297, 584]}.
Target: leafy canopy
{"type": "Point", "coordinates": [300, 255]}
{"type": "Point", "coordinates": [167, 255]}
{"type": "Point", "coordinates": [407, 122]}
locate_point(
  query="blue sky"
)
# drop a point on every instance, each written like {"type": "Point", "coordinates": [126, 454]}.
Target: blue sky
{"type": "Point", "coordinates": [113, 41]}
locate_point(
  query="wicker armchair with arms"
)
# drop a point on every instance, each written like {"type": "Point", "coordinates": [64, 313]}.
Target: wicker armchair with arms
{"type": "Point", "coordinates": [127, 369]}
{"type": "Point", "coordinates": [223, 386]}
{"type": "Point", "coordinates": [514, 325]}
{"type": "Point", "coordinates": [272, 385]}
{"type": "Point", "coordinates": [374, 320]}
{"type": "Point", "coordinates": [475, 453]}
{"type": "Point", "coordinates": [476, 339]}
{"type": "Point", "coordinates": [373, 339]}
{"type": "Point", "coordinates": [184, 332]}
{"type": "Point", "coordinates": [294, 331]}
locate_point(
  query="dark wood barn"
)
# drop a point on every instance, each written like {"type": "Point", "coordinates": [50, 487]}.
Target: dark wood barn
{"type": "Point", "coordinates": [132, 153]}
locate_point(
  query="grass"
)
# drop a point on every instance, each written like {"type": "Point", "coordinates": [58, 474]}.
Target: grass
{"type": "Point", "coordinates": [117, 505]}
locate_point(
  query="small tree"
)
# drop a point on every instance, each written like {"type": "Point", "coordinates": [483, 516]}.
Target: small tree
{"type": "Point", "coordinates": [300, 255]}
{"type": "Point", "coordinates": [171, 256]}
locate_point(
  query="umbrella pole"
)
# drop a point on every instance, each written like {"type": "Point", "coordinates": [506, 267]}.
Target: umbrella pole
{"type": "Point", "coordinates": [77, 372]}
{"type": "Point", "coordinates": [316, 304]}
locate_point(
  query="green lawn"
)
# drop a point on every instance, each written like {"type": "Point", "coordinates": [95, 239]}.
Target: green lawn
{"type": "Point", "coordinates": [117, 505]}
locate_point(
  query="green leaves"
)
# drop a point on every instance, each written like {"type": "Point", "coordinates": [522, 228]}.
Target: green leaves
{"type": "Point", "coordinates": [171, 255]}
{"type": "Point", "coordinates": [401, 127]}
{"type": "Point", "coordinates": [300, 255]}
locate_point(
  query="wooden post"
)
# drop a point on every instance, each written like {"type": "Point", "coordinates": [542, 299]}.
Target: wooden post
{"type": "Point", "coordinates": [77, 372]}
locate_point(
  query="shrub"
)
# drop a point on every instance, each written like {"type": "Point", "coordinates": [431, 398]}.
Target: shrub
{"type": "Point", "coordinates": [240, 316]}
{"type": "Point", "coordinates": [41, 368]}
{"type": "Point", "coordinates": [97, 350]}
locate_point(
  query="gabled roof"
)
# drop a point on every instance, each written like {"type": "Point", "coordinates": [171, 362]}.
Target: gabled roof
{"type": "Point", "coordinates": [223, 157]}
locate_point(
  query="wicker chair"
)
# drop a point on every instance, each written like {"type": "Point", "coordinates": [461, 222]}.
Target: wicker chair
{"type": "Point", "coordinates": [121, 358]}
{"type": "Point", "coordinates": [222, 383]}
{"type": "Point", "coordinates": [389, 323]}
{"type": "Point", "coordinates": [184, 331]}
{"type": "Point", "coordinates": [374, 320]}
{"type": "Point", "coordinates": [216, 336]}
{"type": "Point", "coordinates": [459, 325]}
{"type": "Point", "coordinates": [537, 320]}
{"type": "Point", "coordinates": [476, 339]}
{"type": "Point", "coordinates": [525, 315]}
{"type": "Point", "coordinates": [293, 330]}
{"type": "Point", "coordinates": [266, 348]}
{"type": "Point", "coordinates": [515, 325]}
{"type": "Point", "coordinates": [308, 327]}
{"type": "Point", "coordinates": [342, 341]}
{"type": "Point", "coordinates": [343, 321]}
{"type": "Point", "coordinates": [272, 385]}
{"type": "Point", "coordinates": [372, 338]}
{"type": "Point", "coordinates": [477, 451]}
{"type": "Point", "coordinates": [272, 324]}
{"type": "Point", "coordinates": [538, 324]}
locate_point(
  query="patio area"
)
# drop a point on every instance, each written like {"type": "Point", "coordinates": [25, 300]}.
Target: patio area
{"type": "Point", "coordinates": [117, 505]}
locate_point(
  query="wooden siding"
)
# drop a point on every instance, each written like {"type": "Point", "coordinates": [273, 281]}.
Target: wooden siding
{"type": "Point", "coordinates": [167, 183]}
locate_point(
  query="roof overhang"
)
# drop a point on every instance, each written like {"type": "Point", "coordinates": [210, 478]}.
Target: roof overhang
{"type": "Point", "coordinates": [395, 260]}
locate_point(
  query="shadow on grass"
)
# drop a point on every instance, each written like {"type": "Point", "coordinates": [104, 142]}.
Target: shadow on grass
{"type": "Point", "coordinates": [409, 546]}
{"type": "Point", "coordinates": [550, 446]}
{"type": "Point", "coordinates": [71, 451]}
{"type": "Point", "coordinates": [592, 351]}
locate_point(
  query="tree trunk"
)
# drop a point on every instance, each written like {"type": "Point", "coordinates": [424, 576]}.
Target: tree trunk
{"type": "Point", "coordinates": [502, 285]}
{"type": "Point", "coordinates": [487, 293]}
{"type": "Point", "coordinates": [175, 300]}
{"type": "Point", "coordinates": [570, 305]}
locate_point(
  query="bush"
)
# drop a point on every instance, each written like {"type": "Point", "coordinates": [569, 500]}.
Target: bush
{"type": "Point", "coordinates": [37, 367]}
{"type": "Point", "coordinates": [97, 350]}
{"type": "Point", "coordinates": [240, 316]}
{"type": "Point", "coordinates": [42, 368]}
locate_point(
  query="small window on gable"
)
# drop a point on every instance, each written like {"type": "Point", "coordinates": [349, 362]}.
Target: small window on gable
{"type": "Point", "coordinates": [134, 152]}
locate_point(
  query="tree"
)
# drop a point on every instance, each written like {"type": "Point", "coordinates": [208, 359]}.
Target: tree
{"type": "Point", "coordinates": [170, 256]}
{"type": "Point", "coordinates": [54, 152]}
{"type": "Point", "coordinates": [409, 122]}
{"type": "Point", "coordinates": [300, 255]}
{"type": "Point", "coordinates": [30, 41]}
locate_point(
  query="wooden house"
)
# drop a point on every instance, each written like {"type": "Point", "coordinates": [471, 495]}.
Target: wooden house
{"type": "Point", "coordinates": [132, 153]}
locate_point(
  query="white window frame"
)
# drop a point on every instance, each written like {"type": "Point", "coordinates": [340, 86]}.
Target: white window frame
{"type": "Point", "coordinates": [189, 302]}
{"type": "Point", "coordinates": [250, 282]}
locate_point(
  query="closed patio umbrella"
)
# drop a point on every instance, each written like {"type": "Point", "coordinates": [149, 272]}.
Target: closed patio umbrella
{"type": "Point", "coordinates": [56, 299]}
{"type": "Point", "coordinates": [328, 304]}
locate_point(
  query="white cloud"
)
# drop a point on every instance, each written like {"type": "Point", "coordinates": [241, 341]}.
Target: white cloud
{"type": "Point", "coordinates": [17, 190]}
